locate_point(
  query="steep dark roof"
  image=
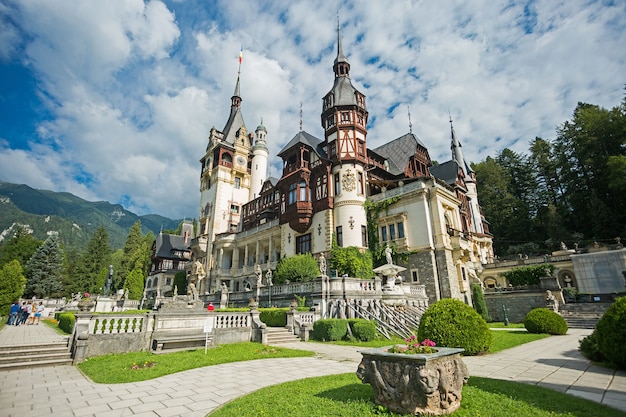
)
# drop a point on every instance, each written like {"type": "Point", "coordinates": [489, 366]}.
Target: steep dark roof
{"type": "Point", "coordinates": [448, 172]}
{"type": "Point", "coordinates": [305, 138]}
{"type": "Point", "coordinates": [399, 151]}
{"type": "Point", "coordinates": [166, 245]}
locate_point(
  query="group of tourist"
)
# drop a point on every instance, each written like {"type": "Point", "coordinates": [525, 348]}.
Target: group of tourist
{"type": "Point", "coordinates": [26, 313]}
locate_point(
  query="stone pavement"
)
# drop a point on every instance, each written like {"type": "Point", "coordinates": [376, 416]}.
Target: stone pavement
{"type": "Point", "coordinates": [65, 391]}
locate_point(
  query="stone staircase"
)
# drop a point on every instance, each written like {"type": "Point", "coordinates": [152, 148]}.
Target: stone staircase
{"type": "Point", "coordinates": [582, 315]}
{"type": "Point", "coordinates": [28, 356]}
{"type": "Point", "coordinates": [279, 335]}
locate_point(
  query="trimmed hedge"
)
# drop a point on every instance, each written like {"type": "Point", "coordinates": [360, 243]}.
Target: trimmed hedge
{"type": "Point", "coordinates": [611, 333]}
{"type": "Point", "coordinates": [273, 317]}
{"type": "Point", "coordinates": [588, 346]}
{"type": "Point", "coordinates": [543, 320]}
{"type": "Point", "coordinates": [452, 323]}
{"type": "Point", "coordinates": [363, 330]}
{"type": "Point", "coordinates": [66, 322]}
{"type": "Point", "coordinates": [330, 329]}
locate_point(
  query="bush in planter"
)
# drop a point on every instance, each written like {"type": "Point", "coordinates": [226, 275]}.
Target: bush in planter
{"type": "Point", "coordinates": [330, 329]}
{"type": "Point", "coordinates": [543, 320]}
{"type": "Point", "coordinates": [452, 323]}
{"type": "Point", "coordinates": [363, 330]}
{"type": "Point", "coordinates": [611, 333]}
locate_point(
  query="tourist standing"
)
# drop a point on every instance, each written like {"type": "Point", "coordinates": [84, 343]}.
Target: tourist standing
{"type": "Point", "coordinates": [23, 314]}
{"type": "Point", "coordinates": [211, 307]}
{"type": "Point", "coordinates": [30, 313]}
{"type": "Point", "coordinates": [39, 311]}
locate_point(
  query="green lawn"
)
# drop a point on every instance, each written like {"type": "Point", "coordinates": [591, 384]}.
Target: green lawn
{"type": "Point", "coordinates": [141, 366]}
{"type": "Point", "coordinates": [344, 395]}
{"type": "Point", "coordinates": [505, 340]}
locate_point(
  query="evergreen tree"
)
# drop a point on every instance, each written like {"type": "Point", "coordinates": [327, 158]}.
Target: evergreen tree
{"type": "Point", "coordinates": [135, 284]}
{"type": "Point", "coordinates": [45, 269]}
{"type": "Point", "coordinates": [21, 246]}
{"type": "Point", "coordinates": [133, 255]}
{"type": "Point", "coordinates": [95, 259]}
{"type": "Point", "coordinates": [12, 283]}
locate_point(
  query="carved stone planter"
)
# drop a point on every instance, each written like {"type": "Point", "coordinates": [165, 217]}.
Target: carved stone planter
{"type": "Point", "coordinates": [418, 384]}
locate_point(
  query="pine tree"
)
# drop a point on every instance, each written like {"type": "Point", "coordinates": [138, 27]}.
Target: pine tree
{"type": "Point", "coordinates": [95, 258]}
{"type": "Point", "coordinates": [12, 283]}
{"type": "Point", "coordinates": [44, 270]}
{"type": "Point", "coordinates": [131, 254]}
{"type": "Point", "coordinates": [135, 284]}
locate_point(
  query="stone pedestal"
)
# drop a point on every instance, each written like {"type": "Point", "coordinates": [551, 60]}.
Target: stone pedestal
{"type": "Point", "coordinates": [104, 305]}
{"type": "Point", "coordinates": [418, 384]}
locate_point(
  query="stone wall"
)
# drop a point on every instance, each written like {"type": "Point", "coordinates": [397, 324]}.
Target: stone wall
{"type": "Point", "coordinates": [517, 303]}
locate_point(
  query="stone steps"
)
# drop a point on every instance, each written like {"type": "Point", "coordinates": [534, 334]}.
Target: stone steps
{"type": "Point", "coordinates": [279, 335]}
{"type": "Point", "coordinates": [583, 315]}
{"type": "Point", "coordinates": [21, 356]}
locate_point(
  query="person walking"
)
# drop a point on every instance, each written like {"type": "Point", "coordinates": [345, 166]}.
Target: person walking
{"type": "Point", "coordinates": [38, 312]}
{"type": "Point", "coordinates": [23, 314]}
{"type": "Point", "coordinates": [15, 313]}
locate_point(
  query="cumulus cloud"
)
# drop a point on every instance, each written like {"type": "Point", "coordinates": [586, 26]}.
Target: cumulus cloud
{"type": "Point", "coordinates": [132, 87]}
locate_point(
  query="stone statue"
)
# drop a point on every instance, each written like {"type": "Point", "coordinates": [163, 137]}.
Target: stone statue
{"type": "Point", "coordinates": [192, 292]}
{"type": "Point", "coordinates": [268, 277]}
{"type": "Point", "coordinates": [108, 283]}
{"type": "Point", "coordinates": [322, 261]}
{"type": "Point", "coordinates": [198, 270]}
{"type": "Point", "coordinates": [563, 246]}
{"type": "Point", "coordinates": [224, 295]}
{"type": "Point", "coordinates": [126, 294]}
{"type": "Point", "coordinates": [175, 293]}
{"type": "Point", "coordinates": [259, 275]}
{"type": "Point", "coordinates": [388, 253]}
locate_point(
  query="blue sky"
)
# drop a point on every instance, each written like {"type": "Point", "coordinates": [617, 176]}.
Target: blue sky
{"type": "Point", "coordinates": [114, 100]}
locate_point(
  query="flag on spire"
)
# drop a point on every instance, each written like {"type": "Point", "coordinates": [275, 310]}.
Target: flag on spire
{"type": "Point", "coordinates": [241, 55]}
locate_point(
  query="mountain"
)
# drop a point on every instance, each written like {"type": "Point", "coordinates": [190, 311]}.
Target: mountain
{"type": "Point", "coordinates": [74, 218]}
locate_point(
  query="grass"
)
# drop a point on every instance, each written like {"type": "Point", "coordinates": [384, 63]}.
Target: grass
{"type": "Point", "coordinates": [141, 366]}
{"type": "Point", "coordinates": [502, 340]}
{"type": "Point", "coordinates": [344, 395]}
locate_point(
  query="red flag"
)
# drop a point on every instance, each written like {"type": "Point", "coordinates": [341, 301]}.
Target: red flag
{"type": "Point", "coordinates": [241, 55]}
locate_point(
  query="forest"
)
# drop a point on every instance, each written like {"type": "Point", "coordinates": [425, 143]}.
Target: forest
{"type": "Point", "coordinates": [566, 189]}
{"type": "Point", "coordinates": [570, 188]}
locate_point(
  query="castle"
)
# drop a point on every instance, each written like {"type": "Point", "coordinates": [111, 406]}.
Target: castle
{"type": "Point", "coordinates": [249, 221]}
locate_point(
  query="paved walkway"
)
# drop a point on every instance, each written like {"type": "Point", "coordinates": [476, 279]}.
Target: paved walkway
{"type": "Point", "coordinates": [64, 391]}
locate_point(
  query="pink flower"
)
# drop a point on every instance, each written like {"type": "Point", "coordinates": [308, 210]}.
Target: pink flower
{"type": "Point", "coordinates": [87, 295]}
{"type": "Point", "coordinates": [428, 342]}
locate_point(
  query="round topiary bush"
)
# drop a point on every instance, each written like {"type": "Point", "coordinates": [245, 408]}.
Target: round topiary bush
{"type": "Point", "coordinates": [543, 320]}
{"type": "Point", "coordinates": [452, 323]}
{"type": "Point", "coordinates": [611, 333]}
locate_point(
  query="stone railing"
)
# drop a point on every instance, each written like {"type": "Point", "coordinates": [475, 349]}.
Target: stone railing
{"type": "Point", "coordinates": [100, 334]}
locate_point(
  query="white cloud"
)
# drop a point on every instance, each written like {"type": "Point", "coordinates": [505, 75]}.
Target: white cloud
{"type": "Point", "coordinates": [133, 88]}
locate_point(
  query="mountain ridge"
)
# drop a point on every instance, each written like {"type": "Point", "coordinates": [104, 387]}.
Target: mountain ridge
{"type": "Point", "coordinates": [74, 218]}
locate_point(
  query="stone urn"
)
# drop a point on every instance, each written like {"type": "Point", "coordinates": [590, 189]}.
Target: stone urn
{"type": "Point", "coordinates": [86, 304]}
{"type": "Point", "coordinates": [417, 384]}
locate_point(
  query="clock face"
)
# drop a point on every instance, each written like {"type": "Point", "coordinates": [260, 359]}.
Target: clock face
{"type": "Point", "coordinates": [241, 160]}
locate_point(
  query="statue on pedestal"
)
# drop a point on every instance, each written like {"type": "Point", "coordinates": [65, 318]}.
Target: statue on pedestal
{"type": "Point", "coordinates": [388, 253]}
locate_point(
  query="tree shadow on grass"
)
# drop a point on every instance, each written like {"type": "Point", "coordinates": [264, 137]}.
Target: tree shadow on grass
{"type": "Point", "coordinates": [349, 393]}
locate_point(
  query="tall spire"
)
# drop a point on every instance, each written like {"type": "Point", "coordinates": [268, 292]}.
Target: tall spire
{"type": "Point", "coordinates": [457, 152]}
{"type": "Point", "coordinates": [236, 98]}
{"type": "Point", "coordinates": [408, 109]}
{"type": "Point", "coordinates": [341, 65]}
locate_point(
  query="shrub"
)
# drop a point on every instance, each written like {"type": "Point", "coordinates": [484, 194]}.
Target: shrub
{"type": "Point", "coordinates": [452, 323]}
{"type": "Point", "coordinates": [363, 330]}
{"type": "Point", "coordinates": [589, 348]}
{"type": "Point", "coordinates": [527, 275]}
{"type": "Point", "coordinates": [274, 317]}
{"type": "Point", "coordinates": [611, 333]}
{"type": "Point", "coordinates": [543, 320]}
{"type": "Point", "coordinates": [479, 302]}
{"type": "Point", "coordinates": [297, 268]}
{"type": "Point", "coordinates": [66, 322]}
{"type": "Point", "coordinates": [330, 329]}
